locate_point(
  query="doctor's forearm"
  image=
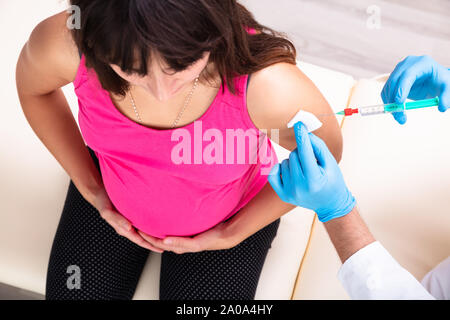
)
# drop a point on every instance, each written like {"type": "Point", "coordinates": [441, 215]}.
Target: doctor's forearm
{"type": "Point", "coordinates": [263, 209]}
{"type": "Point", "coordinates": [349, 234]}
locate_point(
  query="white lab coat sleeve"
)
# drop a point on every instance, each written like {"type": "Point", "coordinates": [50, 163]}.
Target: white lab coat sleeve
{"type": "Point", "coordinates": [437, 281]}
{"type": "Point", "coordinates": [372, 273]}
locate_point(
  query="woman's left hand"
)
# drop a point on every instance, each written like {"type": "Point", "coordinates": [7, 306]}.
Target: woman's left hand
{"type": "Point", "coordinates": [216, 238]}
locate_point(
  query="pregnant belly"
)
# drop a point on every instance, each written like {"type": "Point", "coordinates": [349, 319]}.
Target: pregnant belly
{"type": "Point", "coordinates": [171, 208]}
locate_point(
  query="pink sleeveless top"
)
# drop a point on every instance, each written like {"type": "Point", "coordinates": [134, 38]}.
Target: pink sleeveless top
{"type": "Point", "coordinates": [182, 181]}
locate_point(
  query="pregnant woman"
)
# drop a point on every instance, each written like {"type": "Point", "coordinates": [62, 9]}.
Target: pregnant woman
{"type": "Point", "coordinates": [160, 86]}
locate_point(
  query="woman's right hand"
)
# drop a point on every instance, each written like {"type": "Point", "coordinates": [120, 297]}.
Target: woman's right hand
{"type": "Point", "coordinates": [120, 224]}
{"type": "Point", "coordinates": [416, 78]}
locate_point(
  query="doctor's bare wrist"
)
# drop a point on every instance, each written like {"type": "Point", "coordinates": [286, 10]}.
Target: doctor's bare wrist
{"type": "Point", "coordinates": [349, 234]}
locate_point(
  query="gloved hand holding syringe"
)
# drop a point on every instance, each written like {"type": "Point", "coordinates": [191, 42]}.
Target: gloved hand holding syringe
{"type": "Point", "coordinates": [418, 78]}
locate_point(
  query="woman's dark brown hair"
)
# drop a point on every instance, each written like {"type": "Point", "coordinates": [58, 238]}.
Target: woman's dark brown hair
{"type": "Point", "coordinates": [127, 33]}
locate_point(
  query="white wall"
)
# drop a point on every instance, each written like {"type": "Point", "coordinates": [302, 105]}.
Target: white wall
{"type": "Point", "coordinates": [17, 20]}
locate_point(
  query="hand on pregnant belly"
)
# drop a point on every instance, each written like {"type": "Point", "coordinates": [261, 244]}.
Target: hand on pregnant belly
{"type": "Point", "coordinates": [216, 238]}
{"type": "Point", "coordinates": [120, 224]}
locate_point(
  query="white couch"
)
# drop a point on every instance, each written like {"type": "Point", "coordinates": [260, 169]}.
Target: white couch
{"type": "Point", "coordinates": [398, 175]}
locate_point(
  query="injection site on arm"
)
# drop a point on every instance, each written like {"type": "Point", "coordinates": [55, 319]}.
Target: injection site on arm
{"type": "Point", "coordinates": [307, 118]}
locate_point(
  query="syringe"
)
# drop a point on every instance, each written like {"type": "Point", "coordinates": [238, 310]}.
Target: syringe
{"type": "Point", "coordinates": [391, 107]}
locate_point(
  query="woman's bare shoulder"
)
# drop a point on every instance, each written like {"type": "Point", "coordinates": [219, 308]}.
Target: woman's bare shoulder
{"type": "Point", "coordinates": [277, 92]}
{"type": "Point", "coordinates": [49, 59]}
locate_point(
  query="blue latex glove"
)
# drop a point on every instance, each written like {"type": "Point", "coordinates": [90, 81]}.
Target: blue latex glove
{"type": "Point", "coordinates": [417, 78]}
{"type": "Point", "coordinates": [311, 178]}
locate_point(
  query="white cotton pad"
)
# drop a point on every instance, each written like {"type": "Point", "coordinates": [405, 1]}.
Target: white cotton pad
{"type": "Point", "coordinates": [308, 119]}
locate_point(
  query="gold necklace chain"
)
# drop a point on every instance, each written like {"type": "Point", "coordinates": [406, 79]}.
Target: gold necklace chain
{"type": "Point", "coordinates": [187, 101]}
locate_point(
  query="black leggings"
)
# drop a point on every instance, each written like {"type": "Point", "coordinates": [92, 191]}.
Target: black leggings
{"type": "Point", "coordinates": [88, 252]}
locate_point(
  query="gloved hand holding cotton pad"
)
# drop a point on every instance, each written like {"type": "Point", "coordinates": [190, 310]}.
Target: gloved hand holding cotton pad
{"type": "Point", "coordinates": [308, 119]}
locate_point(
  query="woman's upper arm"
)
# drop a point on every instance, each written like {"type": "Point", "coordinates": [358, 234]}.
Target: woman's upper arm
{"type": "Point", "coordinates": [278, 92]}
{"type": "Point", "coordinates": [49, 59]}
